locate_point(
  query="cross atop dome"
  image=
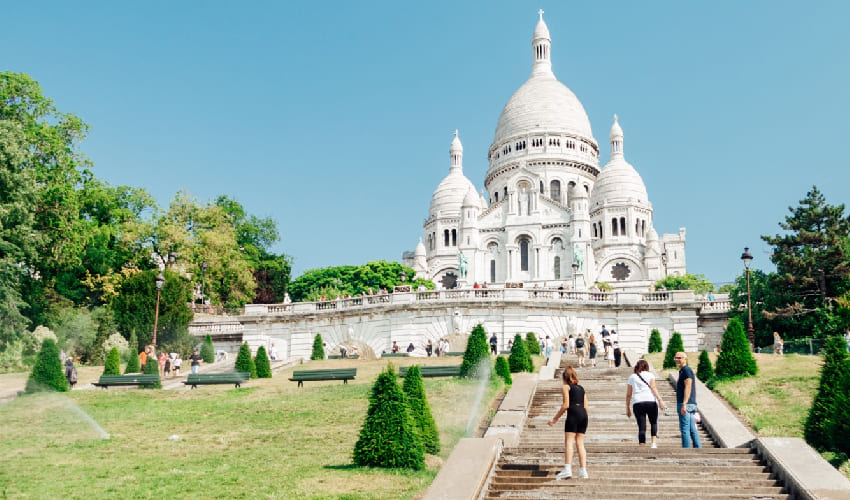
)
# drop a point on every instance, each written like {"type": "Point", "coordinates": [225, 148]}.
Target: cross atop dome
{"type": "Point", "coordinates": [541, 14]}
{"type": "Point", "coordinates": [541, 42]}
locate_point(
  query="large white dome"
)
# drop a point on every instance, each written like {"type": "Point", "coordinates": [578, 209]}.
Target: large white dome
{"type": "Point", "coordinates": [618, 181]}
{"type": "Point", "coordinates": [543, 104]}
{"type": "Point", "coordinates": [449, 195]}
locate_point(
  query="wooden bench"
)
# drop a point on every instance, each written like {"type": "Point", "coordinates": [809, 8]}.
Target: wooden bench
{"type": "Point", "coordinates": [141, 379]}
{"type": "Point", "coordinates": [394, 355]}
{"type": "Point", "coordinates": [196, 379]}
{"type": "Point", "coordinates": [337, 356]}
{"type": "Point", "coordinates": [344, 374]}
{"type": "Point", "coordinates": [434, 371]}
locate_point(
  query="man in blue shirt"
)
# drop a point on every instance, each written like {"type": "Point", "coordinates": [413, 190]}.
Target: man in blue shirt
{"type": "Point", "coordinates": [686, 402]}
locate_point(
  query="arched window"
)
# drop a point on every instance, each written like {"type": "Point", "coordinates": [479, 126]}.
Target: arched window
{"type": "Point", "coordinates": [643, 228]}
{"type": "Point", "coordinates": [492, 270]}
{"type": "Point", "coordinates": [454, 237]}
{"type": "Point", "coordinates": [555, 190]}
{"type": "Point", "coordinates": [496, 195]}
{"type": "Point", "coordinates": [614, 226]}
{"type": "Point", "coordinates": [506, 192]}
{"type": "Point", "coordinates": [541, 187]}
{"type": "Point", "coordinates": [622, 226]}
{"type": "Point", "coordinates": [557, 270]}
{"type": "Point", "coordinates": [446, 238]}
{"type": "Point", "coordinates": [523, 255]}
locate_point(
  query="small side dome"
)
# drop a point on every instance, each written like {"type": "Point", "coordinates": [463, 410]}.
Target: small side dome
{"type": "Point", "coordinates": [471, 199]}
{"type": "Point", "coordinates": [618, 181]}
{"type": "Point", "coordinates": [456, 146]}
{"type": "Point", "coordinates": [450, 194]}
{"type": "Point", "coordinates": [616, 130]}
{"type": "Point", "coordinates": [541, 31]}
{"type": "Point", "coordinates": [420, 249]}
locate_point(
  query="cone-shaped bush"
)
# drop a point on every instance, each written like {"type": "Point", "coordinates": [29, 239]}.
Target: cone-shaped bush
{"type": "Point", "coordinates": [503, 370]}
{"type": "Point", "coordinates": [261, 362]}
{"type": "Point", "coordinates": [388, 437]}
{"type": "Point", "coordinates": [47, 374]}
{"type": "Point", "coordinates": [152, 368]}
{"type": "Point", "coordinates": [735, 356]}
{"type": "Point", "coordinates": [655, 344]}
{"type": "Point", "coordinates": [414, 391]}
{"type": "Point", "coordinates": [244, 363]}
{"type": "Point", "coordinates": [113, 362]}
{"type": "Point", "coordinates": [532, 344]}
{"type": "Point", "coordinates": [207, 350]}
{"type": "Point", "coordinates": [318, 348]}
{"type": "Point", "coordinates": [821, 422]}
{"type": "Point", "coordinates": [519, 359]}
{"type": "Point", "coordinates": [476, 352]}
{"type": "Point", "coordinates": [133, 362]}
{"type": "Point", "coordinates": [704, 369]}
{"type": "Point", "coordinates": [675, 345]}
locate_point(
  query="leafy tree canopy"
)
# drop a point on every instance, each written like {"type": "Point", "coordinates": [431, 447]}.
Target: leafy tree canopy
{"type": "Point", "coordinates": [688, 281]}
{"type": "Point", "coordinates": [353, 280]}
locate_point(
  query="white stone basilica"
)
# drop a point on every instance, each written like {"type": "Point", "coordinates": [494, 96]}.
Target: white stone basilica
{"type": "Point", "coordinates": [550, 215]}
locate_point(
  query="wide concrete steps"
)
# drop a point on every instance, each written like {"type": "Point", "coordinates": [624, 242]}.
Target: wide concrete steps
{"type": "Point", "coordinates": [618, 467]}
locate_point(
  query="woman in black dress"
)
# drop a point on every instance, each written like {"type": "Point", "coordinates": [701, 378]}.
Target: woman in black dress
{"type": "Point", "coordinates": [575, 404]}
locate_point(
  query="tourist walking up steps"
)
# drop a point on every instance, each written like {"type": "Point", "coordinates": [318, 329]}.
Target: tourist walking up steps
{"type": "Point", "coordinates": [642, 397]}
{"type": "Point", "coordinates": [591, 341]}
{"type": "Point", "coordinates": [575, 404]}
{"type": "Point", "coordinates": [686, 402]}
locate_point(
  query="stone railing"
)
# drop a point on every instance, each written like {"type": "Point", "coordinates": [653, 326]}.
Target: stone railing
{"type": "Point", "coordinates": [214, 328]}
{"type": "Point", "coordinates": [716, 306]}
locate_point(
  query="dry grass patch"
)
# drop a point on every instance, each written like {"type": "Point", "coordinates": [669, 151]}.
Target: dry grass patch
{"type": "Point", "coordinates": [268, 439]}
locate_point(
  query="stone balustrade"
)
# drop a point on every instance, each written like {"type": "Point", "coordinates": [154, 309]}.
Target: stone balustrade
{"type": "Point", "coordinates": [198, 329]}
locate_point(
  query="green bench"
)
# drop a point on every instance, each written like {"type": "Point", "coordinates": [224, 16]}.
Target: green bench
{"type": "Point", "coordinates": [454, 353]}
{"type": "Point", "coordinates": [394, 355]}
{"type": "Point", "coordinates": [196, 379]}
{"type": "Point", "coordinates": [337, 356]}
{"type": "Point", "coordinates": [141, 379]}
{"type": "Point", "coordinates": [434, 371]}
{"type": "Point", "coordinates": [344, 374]}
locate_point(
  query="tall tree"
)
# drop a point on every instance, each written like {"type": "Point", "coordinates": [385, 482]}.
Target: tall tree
{"type": "Point", "coordinates": [353, 280]}
{"type": "Point", "coordinates": [134, 308]}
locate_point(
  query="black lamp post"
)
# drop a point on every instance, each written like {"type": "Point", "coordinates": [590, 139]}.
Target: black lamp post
{"type": "Point", "coordinates": [204, 282]}
{"type": "Point", "coordinates": [747, 257]}
{"type": "Point", "coordinates": [575, 271]}
{"type": "Point", "coordinates": [160, 280]}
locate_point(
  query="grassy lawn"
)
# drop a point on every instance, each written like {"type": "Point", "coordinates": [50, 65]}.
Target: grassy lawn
{"type": "Point", "coordinates": [268, 439]}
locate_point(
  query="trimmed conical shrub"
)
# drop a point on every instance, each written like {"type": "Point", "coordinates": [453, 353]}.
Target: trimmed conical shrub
{"type": "Point", "coordinates": [675, 345]}
{"type": "Point", "coordinates": [704, 369]}
{"type": "Point", "coordinates": [262, 363]}
{"type": "Point", "coordinates": [47, 374]}
{"type": "Point", "coordinates": [519, 359]}
{"type": "Point", "coordinates": [207, 350]}
{"type": "Point", "coordinates": [113, 362]}
{"type": "Point", "coordinates": [821, 423]}
{"type": "Point", "coordinates": [655, 344]}
{"type": "Point", "coordinates": [388, 437]}
{"type": "Point", "coordinates": [318, 348]}
{"type": "Point", "coordinates": [532, 344]}
{"type": "Point", "coordinates": [735, 356]}
{"type": "Point", "coordinates": [503, 370]}
{"type": "Point", "coordinates": [414, 391]}
{"type": "Point", "coordinates": [244, 363]}
{"type": "Point", "coordinates": [476, 352]}
{"type": "Point", "coordinates": [152, 368]}
{"type": "Point", "coordinates": [133, 362]}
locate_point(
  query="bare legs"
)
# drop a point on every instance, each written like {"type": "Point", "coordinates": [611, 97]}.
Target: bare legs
{"type": "Point", "coordinates": [574, 442]}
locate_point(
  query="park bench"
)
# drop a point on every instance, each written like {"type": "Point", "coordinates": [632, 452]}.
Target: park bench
{"type": "Point", "coordinates": [196, 379]}
{"type": "Point", "coordinates": [344, 374]}
{"type": "Point", "coordinates": [454, 353]}
{"type": "Point", "coordinates": [141, 379]}
{"type": "Point", "coordinates": [338, 356]}
{"type": "Point", "coordinates": [434, 371]}
{"type": "Point", "coordinates": [394, 355]}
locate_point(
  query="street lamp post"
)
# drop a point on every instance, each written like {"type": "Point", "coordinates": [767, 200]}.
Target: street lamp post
{"type": "Point", "coordinates": [575, 271]}
{"type": "Point", "coordinates": [204, 282]}
{"type": "Point", "coordinates": [747, 257]}
{"type": "Point", "coordinates": [160, 280]}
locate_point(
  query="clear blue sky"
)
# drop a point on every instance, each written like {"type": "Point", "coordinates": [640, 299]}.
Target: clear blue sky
{"type": "Point", "coordinates": [335, 118]}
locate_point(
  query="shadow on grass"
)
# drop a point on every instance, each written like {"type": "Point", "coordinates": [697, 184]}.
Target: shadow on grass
{"type": "Point", "coordinates": [341, 467]}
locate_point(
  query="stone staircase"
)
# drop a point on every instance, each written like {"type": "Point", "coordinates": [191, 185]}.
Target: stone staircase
{"type": "Point", "coordinates": [617, 466]}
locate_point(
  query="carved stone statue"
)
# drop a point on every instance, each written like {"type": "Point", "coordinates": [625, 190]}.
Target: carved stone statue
{"type": "Point", "coordinates": [462, 265]}
{"type": "Point", "coordinates": [578, 257]}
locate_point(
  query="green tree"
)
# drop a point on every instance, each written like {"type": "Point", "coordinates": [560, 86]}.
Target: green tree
{"type": "Point", "coordinates": [503, 370]}
{"type": "Point", "coordinates": [262, 363]}
{"type": "Point", "coordinates": [414, 391]}
{"type": "Point", "coordinates": [532, 344]}
{"type": "Point", "coordinates": [673, 346]}
{"type": "Point", "coordinates": [520, 360]}
{"type": "Point", "coordinates": [318, 348]}
{"type": "Point", "coordinates": [353, 280]}
{"type": "Point", "coordinates": [655, 344]}
{"type": "Point", "coordinates": [765, 297]}
{"type": "Point", "coordinates": [821, 422]}
{"type": "Point", "coordinates": [476, 355]}
{"type": "Point", "coordinates": [133, 360]}
{"type": "Point", "coordinates": [244, 363]}
{"type": "Point", "coordinates": [113, 363]}
{"type": "Point", "coordinates": [152, 368]}
{"type": "Point", "coordinates": [704, 369]}
{"type": "Point", "coordinates": [207, 350]}
{"type": "Point", "coordinates": [687, 281]}
{"type": "Point", "coordinates": [388, 437]}
{"type": "Point", "coordinates": [135, 306]}
{"type": "Point", "coordinates": [47, 374]}
{"type": "Point", "coordinates": [735, 356]}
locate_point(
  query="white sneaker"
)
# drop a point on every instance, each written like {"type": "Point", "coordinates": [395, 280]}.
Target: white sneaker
{"type": "Point", "coordinates": [566, 472]}
{"type": "Point", "coordinates": [654, 445]}
{"type": "Point", "coordinates": [582, 473]}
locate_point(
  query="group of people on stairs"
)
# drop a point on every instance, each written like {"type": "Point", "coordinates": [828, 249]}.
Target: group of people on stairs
{"type": "Point", "coordinates": [642, 400]}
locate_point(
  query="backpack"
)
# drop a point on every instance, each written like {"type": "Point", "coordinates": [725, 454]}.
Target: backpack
{"type": "Point", "coordinates": [73, 377]}
{"type": "Point", "coordinates": [579, 342]}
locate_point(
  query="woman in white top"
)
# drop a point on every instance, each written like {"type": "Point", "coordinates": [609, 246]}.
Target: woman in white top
{"type": "Point", "coordinates": [641, 396]}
